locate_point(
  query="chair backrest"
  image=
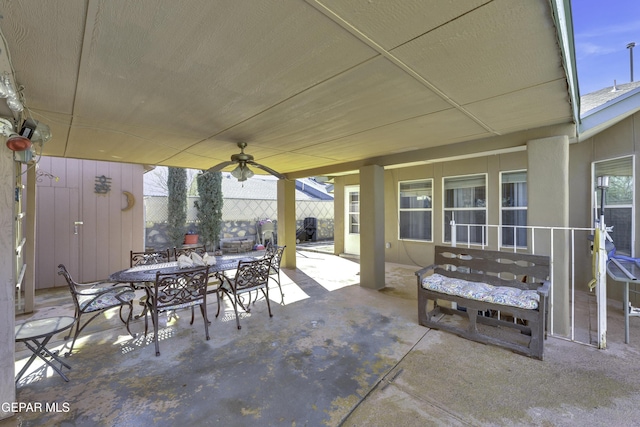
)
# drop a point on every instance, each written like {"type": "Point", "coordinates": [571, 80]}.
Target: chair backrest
{"type": "Point", "coordinates": [62, 270]}
{"type": "Point", "coordinates": [252, 274]}
{"type": "Point", "coordinates": [275, 252]}
{"type": "Point", "coordinates": [267, 227]}
{"type": "Point", "coordinates": [149, 257]}
{"type": "Point", "coordinates": [184, 286]}
{"type": "Point", "coordinates": [200, 250]}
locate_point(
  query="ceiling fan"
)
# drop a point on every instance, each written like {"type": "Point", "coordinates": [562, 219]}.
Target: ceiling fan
{"type": "Point", "coordinates": [242, 171]}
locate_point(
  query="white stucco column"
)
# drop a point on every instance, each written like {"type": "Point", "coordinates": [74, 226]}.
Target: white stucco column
{"type": "Point", "coordinates": [29, 283]}
{"type": "Point", "coordinates": [287, 221]}
{"type": "Point", "coordinates": [372, 227]}
{"type": "Point", "coordinates": [7, 280]}
{"type": "Point", "coordinates": [548, 205]}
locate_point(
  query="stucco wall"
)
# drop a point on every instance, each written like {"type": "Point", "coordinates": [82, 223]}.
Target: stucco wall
{"type": "Point", "coordinates": [620, 140]}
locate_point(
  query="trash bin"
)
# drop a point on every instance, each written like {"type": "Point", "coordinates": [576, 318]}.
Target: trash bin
{"type": "Point", "coordinates": [308, 231]}
{"type": "Point", "coordinates": [310, 226]}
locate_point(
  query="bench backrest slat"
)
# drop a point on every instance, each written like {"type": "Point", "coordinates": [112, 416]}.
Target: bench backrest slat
{"type": "Point", "coordinates": [524, 271]}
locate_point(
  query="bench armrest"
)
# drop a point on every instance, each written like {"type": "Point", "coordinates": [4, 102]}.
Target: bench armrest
{"type": "Point", "coordinates": [422, 271]}
{"type": "Point", "coordinates": [543, 289]}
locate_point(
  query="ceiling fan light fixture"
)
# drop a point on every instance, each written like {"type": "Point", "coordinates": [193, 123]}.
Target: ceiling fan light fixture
{"type": "Point", "coordinates": [242, 160]}
{"type": "Point", "coordinates": [242, 173]}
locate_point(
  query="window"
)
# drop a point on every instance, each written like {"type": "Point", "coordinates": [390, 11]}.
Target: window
{"type": "Point", "coordinates": [415, 207]}
{"type": "Point", "coordinates": [465, 201]}
{"type": "Point", "coordinates": [513, 208]}
{"type": "Point", "coordinates": [618, 203]}
{"type": "Point", "coordinates": [354, 212]}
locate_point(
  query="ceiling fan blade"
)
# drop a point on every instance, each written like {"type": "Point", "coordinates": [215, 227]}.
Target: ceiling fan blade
{"type": "Point", "coordinates": [267, 169]}
{"type": "Point", "coordinates": [220, 166]}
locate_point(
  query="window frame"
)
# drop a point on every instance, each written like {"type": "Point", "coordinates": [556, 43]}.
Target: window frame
{"type": "Point", "coordinates": [483, 226]}
{"type": "Point", "coordinates": [400, 209]}
{"type": "Point", "coordinates": [595, 197]}
{"type": "Point", "coordinates": [517, 208]}
{"type": "Point", "coordinates": [352, 214]}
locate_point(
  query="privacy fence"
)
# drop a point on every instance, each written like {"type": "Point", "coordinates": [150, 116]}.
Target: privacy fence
{"type": "Point", "coordinates": [240, 217]}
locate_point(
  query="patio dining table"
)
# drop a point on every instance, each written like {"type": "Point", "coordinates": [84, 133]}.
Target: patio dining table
{"type": "Point", "coordinates": [147, 273]}
{"type": "Point", "coordinates": [144, 276]}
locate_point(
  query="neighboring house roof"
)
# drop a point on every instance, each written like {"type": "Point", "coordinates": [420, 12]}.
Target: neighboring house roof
{"type": "Point", "coordinates": [600, 97]}
{"type": "Point", "coordinates": [259, 187]}
{"type": "Point", "coordinates": [604, 108]}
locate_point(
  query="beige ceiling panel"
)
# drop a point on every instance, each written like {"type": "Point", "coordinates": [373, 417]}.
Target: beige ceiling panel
{"type": "Point", "coordinates": [45, 39]}
{"type": "Point", "coordinates": [496, 49]}
{"type": "Point", "coordinates": [220, 151]}
{"type": "Point", "coordinates": [530, 108]}
{"type": "Point", "coordinates": [189, 160]}
{"type": "Point", "coordinates": [282, 162]}
{"type": "Point", "coordinates": [290, 162]}
{"type": "Point", "coordinates": [118, 145]}
{"type": "Point", "coordinates": [308, 84]}
{"type": "Point", "coordinates": [392, 23]}
{"type": "Point", "coordinates": [175, 140]}
{"type": "Point", "coordinates": [208, 66]}
{"type": "Point", "coordinates": [59, 127]}
{"type": "Point", "coordinates": [214, 151]}
{"type": "Point", "coordinates": [373, 94]}
{"type": "Point", "coordinates": [436, 129]}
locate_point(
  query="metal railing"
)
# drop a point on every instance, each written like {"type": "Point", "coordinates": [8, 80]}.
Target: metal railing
{"type": "Point", "coordinates": [545, 240]}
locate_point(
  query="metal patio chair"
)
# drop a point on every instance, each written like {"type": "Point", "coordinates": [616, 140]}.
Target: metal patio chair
{"type": "Point", "coordinates": [250, 276]}
{"type": "Point", "coordinates": [173, 291]}
{"type": "Point", "coordinates": [275, 252]}
{"type": "Point", "coordinates": [200, 250]}
{"type": "Point", "coordinates": [95, 298]}
{"type": "Point", "coordinates": [147, 258]}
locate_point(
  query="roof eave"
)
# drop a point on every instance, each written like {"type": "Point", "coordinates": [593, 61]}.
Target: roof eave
{"type": "Point", "coordinates": [564, 24]}
{"type": "Point", "coordinates": [608, 114]}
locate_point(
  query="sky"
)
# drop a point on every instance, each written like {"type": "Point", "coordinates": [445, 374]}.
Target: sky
{"type": "Point", "coordinates": [602, 30]}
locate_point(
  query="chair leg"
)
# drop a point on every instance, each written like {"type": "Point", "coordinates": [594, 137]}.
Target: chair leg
{"type": "Point", "coordinates": [144, 310]}
{"type": "Point", "coordinates": [128, 317]}
{"type": "Point", "coordinates": [220, 300]}
{"type": "Point", "coordinates": [79, 329]}
{"type": "Point", "coordinates": [76, 325]}
{"type": "Point", "coordinates": [234, 302]}
{"type": "Point", "coordinates": [265, 291]}
{"type": "Point", "coordinates": [155, 331]}
{"type": "Point", "coordinates": [146, 323]}
{"type": "Point", "coordinates": [203, 310]}
{"type": "Point", "coordinates": [279, 287]}
{"type": "Point", "coordinates": [73, 343]}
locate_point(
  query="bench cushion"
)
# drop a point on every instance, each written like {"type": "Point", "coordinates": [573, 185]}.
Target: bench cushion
{"type": "Point", "coordinates": [504, 295]}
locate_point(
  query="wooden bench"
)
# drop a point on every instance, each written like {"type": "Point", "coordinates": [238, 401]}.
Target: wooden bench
{"type": "Point", "coordinates": [505, 291]}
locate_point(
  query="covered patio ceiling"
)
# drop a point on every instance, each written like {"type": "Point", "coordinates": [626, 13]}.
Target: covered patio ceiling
{"type": "Point", "coordinates": [313, 87]}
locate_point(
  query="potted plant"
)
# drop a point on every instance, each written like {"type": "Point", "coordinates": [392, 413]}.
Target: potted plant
{"type": "Point", "coordinates": [191, 238]}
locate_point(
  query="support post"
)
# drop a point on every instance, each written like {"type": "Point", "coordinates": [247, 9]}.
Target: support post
{"type": "Point", "coordinates": [372, 268]}
{"type": "Point", "coordinates": [601, 285]}
{"type": "Point", "coordinates": [287, 221]}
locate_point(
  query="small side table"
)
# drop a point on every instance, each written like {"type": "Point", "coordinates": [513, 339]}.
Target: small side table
{"type": "Point", "coordinates": [625, 272]}
{"type": "Point", "coordinates": [36, 334]}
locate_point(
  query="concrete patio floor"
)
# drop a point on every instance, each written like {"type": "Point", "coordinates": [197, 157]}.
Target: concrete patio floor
{"type": "Point", "coordinates": [335, 354]}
